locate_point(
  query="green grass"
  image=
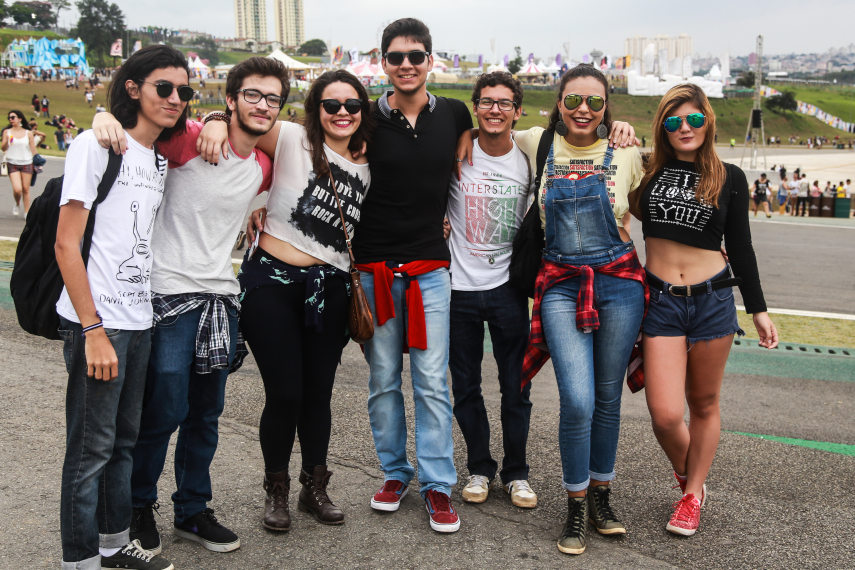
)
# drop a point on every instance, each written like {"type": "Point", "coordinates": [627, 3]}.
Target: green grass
{"type": "Point", "coordinates": [839, 100]}
{"type": "Point", "coordinates": [805, 330]}
{"type": "Point", "coordinates": [731, 115]}
{"type": "Point", "coordinates": [6, 36]}
{"type": "Point", "coordinates": [7, 250]}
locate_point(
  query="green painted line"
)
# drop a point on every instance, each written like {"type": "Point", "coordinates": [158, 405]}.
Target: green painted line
{"type": "Point", "coordinates": [790, 364]}
{"type": "Point", "coordinates": [841, 448]}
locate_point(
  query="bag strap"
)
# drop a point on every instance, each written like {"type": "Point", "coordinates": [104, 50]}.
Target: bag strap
{"type": "Point", "coordinates": [341, 213]}
{"type": "Point", "coordinates": [542, 153]}
{"type": "Point", "coordinates": [114, 164]}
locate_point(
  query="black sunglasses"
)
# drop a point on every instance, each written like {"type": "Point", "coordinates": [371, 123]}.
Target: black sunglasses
{"type": "Point", "coordinates": [254, 96]}
{"type": "Point", "coordinates": [415, 57]}
{"type": "Point", "coordinates": [332, 106]}
{"type": "Point", "coordinates": [164, 90]}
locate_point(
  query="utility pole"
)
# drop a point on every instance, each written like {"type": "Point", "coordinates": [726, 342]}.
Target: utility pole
{"type": "Point", "coordinates": [755, 121]}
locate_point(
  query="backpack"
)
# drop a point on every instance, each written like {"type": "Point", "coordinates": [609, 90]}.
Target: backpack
{"type": "Point", "coordinates": [527, 250]}
{"type": "Point", "coordinates": [36, 281]}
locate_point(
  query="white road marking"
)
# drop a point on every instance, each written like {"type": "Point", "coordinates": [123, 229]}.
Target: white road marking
{"type": "Point", "coordinates": [802, 224]}
{"type": "Point", "coordinates": [814, 314]}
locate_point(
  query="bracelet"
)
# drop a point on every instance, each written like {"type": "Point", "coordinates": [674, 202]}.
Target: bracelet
{"type": "Point", "coordinates": [217, 116]}
{"type": "Point", "coordinates": [99, 324]}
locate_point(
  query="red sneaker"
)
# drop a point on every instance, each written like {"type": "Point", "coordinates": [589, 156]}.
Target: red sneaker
{"type": "Point", "coordinates": [443, 517]}
{"type": "Point", "coordinates": [682, 485]}
{"type": "Point", "coordinates": [389, 497]}
{"type": "Point", "coordinates": [686, 517]}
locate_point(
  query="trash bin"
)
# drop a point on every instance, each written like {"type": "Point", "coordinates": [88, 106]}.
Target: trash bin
{"type": "Point", "coordinates": [841, 207]}
{"type": "Point", "coordinates": [827, 206]}
{"type": "Point", "coordinates": [814, 206]}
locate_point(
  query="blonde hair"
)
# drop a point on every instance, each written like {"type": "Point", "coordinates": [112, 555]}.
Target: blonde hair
{"type": "Point", "coordinates": [710, 168]}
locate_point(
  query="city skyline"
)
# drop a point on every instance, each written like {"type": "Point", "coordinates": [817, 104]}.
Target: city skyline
{"type": "Point", "coordinates": [289, 22]}
{"type": "Point", "coordinates": [250, 19]}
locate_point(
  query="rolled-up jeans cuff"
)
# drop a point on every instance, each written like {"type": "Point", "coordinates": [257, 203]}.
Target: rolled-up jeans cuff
{"type": "Point", "coordinates": [575, 486]}
{"type": "Point", "coordinates": [601, 476]}
{"type": "Point", "coordinates": [93, 563]}
{"type": "Point", "coordinates": [117, 540]}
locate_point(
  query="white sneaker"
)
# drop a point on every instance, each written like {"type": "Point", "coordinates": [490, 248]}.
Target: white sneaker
{"type": "Point", "coordinates": [477, 489]}
{"type": "Point", "coordinates": [521, 494]}
{"type": "Point", "coordinates": [15, 211]}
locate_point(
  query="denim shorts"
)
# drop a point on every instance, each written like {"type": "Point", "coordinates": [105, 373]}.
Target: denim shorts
{"type": "Point", "coordinates": [706, 316]}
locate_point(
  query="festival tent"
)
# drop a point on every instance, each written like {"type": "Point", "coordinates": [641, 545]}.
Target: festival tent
{"type": "Point", "coordinates": [531, 69]}
{"type": "Point", "coordinates": [439, 65]}
{"type": "Point", "coordinates": [496, 67]}
{"type": "Point", "coordinates": [47, 54]}
{"type": "Point", "coordinates": [289, 61]}
{"type": "Point", "coordinates": [552, 68]}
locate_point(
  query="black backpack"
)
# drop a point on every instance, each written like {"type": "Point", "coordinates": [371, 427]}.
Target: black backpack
{"type": "Point", "coordinates": [527, 251]}
{"type": "Point", "coordinates": [36, 282]}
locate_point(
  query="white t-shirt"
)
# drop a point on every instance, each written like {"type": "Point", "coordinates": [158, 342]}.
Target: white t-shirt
{"type": "Point", "coordinates": [302, 210]}
{"type": "Point", "coordinates": [485, 208]}
{"type": "Point", "coordinates": [120, 261]}
{"type": "Point", "coordinates": [804, 186]}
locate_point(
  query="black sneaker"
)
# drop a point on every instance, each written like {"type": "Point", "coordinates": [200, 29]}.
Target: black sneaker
{"type": "Point", "coordinates": [204, 529]}
{"type": "Point", "coordinates": [600, 511]}
{"type": "Point", "coordinates": [133, 557]}
{"type": "Point", "coordinates": [144, 529]}
{"type": "Point", "coordinates": [573, 535]}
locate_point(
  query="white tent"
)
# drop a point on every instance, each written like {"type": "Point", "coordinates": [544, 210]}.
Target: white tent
{"type": "Point", "coordinates": [552, 67]}
{"type": "Point", "coordinates": [531, 68]}
{"type": "Point", "coordinates": [200, 68]}
{"type": "Point", "coordinates": [496, 67]}
{"type": "Point", "coordinates": [289, 61]}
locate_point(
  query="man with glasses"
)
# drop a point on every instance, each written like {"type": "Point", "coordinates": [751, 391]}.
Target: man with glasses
{"type": "Point", "coordinates": [404, 262]}
{"type": "Point", "coordinates": [195, 342]}
{"type": "Point", "coordinates": [486, 205]}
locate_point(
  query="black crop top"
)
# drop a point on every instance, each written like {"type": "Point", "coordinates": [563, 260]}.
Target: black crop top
{"type": "Point", "coordinates": [670, 211]}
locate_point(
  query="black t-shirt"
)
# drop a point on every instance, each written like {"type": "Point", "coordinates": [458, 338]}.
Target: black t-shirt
{"type": "Point", "coordinates": [761, 187]}
{"type": "Point", "coordinates": [670, 211]}
{"type": "Point", "coordinates": [411, 165]}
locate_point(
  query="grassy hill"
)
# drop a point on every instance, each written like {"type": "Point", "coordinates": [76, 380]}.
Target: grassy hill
{"type": "Point", "coordinates": [7, 35]}
{"type": "Point", "coordinates": [839, 100]}
{"type": "Point", "coordinates": [731, 115]}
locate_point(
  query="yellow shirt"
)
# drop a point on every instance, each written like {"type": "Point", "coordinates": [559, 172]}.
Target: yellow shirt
{"type": "Point", "coordinates": [841, 192]}
{"type": "Point", "coordinates": [575, 162]}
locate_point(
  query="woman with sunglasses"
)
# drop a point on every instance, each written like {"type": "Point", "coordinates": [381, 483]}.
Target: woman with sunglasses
{"type": "Point", "coordinates": [295, 283]}
{"type": "Point", "coordinates": [20, 147]}
{"type": "Point", "coordinates": [582, 202]}
{"type": "Point", "coordinates": [689, 200]}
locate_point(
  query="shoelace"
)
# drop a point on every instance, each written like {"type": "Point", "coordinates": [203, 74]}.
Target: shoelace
{"type": "Point", "coordinates": [134, 549]}
{"type": "Point", "coordinates": [478, 481]}
{"type": "Point", "coordinates": [146, 516]}
{"type": "Point", "coordinates": [686, 508]}
{"type": "Point", "coordinates": [208, 515]}
{"type": "Point", "coordinates": [521, 485]}
{"type": "Point", "coordinates": [440, 502]}
{"type": "Point", "coordinates": [279, 491]}
{"type": "Point", "coordinates": [319, 490]}
{"type": "Point", "coordinates": [575, 521]}
{"type": "Point", "coordinates": [604, 509]}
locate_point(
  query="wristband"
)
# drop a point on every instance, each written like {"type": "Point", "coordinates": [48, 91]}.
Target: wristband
{"type": "Point", "coordinates": [99, 324]}
{"type": "Point", "coordinates": [217, 116]}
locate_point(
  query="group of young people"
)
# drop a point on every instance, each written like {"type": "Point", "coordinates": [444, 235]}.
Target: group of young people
{"type": "Point", "coordinates": [156, 320]}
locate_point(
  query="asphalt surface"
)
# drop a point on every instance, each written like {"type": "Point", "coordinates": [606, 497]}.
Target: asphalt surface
{"type": "Point", "coordinates": [771, 505]}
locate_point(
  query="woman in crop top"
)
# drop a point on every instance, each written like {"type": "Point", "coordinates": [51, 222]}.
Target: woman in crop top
{"type": "Point", "coordinates": [294, 285]}
{"type": "Point", "coordinates": [20, 147]}
{"type": "Point", "coordinates": [689, 200]}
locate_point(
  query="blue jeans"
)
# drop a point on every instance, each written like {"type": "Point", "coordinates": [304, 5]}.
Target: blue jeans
{"type": "Point", "coordinates": [590, 369]}
{"type": "Point", "coordinates": [505, 310]}
{"type": "Point", "coordinates": [102, 420]}
{"type": "Point", "coordinates": [176, 397]}
{"type": "Point", "coordinates": [433, 417]}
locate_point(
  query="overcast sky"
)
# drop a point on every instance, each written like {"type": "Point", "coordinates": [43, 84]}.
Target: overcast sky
{"type": "Point", "coordinates": [538, 26]}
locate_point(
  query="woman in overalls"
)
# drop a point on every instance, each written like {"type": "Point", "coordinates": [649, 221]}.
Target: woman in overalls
{"type": "Point", "coordinates": [590, 294]}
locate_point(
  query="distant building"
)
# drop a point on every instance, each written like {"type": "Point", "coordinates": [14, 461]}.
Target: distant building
{"type": "Point", "coordinates": [251, 19]}
{"type": "Point", "coordinates": [289, 22]}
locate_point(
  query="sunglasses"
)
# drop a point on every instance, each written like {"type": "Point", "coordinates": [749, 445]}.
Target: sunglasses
{"type": "Point", "coordinates": [504, 104]}
{"type": "Point", "coordinates": [13, 117]}
{"type": "Point", "coordinates": [254, 96]}
{"type": "Point", "coordinates": [332, 106]}
{"type": "Point", "coordinates": [595, 102]}
{"type": "Point", "coordinates": [397, 57]}
{"type": "Point", "coordinates": [164, 90]}
{"type": "Point", "coordinates": [695, 120]}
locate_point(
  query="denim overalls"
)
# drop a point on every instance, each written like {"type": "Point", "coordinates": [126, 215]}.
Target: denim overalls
{"type": "Point", "coordinates": [589, 367]}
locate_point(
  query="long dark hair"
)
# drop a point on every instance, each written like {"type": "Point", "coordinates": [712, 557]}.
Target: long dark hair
{"type": "Point", "coordinates": [24, 123]}
{"type": "Point", "coordinates": [137, 67]}
{"type": "Point", "coordinates": [312, 117]}
{"type": "Point", "coordinates": [581, 70]}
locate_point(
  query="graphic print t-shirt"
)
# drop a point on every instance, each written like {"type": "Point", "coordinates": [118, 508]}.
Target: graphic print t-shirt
{"type": "Point", "coordinates": [670, 207]}
{"type": "Point", "coordinates": [624, 174]}
{"type": "Point", "coordinates": [762, 188]}
{"type": "Point", "coordinates": [302, 209]}
{"type": "Point", "coordinates": [485, 208]}
{"type": "Point", "coordinates": [120, 258]}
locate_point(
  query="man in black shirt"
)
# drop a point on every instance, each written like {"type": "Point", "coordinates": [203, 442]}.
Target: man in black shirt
{"type": "Point", "coordinates": [404, 261]}
{"type": "Point", "coordinates": [760, 193]}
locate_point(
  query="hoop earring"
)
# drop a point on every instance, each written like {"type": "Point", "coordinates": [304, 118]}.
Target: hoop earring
{"type": "Point", "coordinates": [602, 131]}
{"type": "Point", "coordinates": [561, 128]}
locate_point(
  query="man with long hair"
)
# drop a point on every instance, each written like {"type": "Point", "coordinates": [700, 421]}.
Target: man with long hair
{"type": "Point", "coordinates": [105, 310]}
{"type": "Point", "coordinates": [404, 260]}
{"type": "Point", "coordinates": [194, 289]}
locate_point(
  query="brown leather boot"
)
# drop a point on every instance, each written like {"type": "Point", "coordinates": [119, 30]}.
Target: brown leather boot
{"type": "Point", "coordinates": [276, 515]}
{"type": "Point", "coordinates": [314, 499]}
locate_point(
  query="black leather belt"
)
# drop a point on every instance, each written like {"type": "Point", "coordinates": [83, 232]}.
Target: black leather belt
{"type": "Point", "coordinates": [725, 280]}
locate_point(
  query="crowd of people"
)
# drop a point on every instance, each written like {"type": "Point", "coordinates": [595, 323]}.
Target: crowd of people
{"type": "Point", "coordinates": [437, 258]}
{"type": "Point", "coordinates": [793, 194]}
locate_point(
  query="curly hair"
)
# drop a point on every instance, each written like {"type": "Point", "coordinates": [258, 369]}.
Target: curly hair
{"type": "Point", "coordinates": [495, 79]}
{"type": "Point", "coordinates": [312, 117]}
{"type": "Point", "coordinates": [581, 70]}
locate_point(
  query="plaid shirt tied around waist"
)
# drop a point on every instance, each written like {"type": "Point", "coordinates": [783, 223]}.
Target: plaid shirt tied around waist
{"type": "Point", "coordinates": [212, 334]}
{"type": "Point", "coordinates": [587, 318]}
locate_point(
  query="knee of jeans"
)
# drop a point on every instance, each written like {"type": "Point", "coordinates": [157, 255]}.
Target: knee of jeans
{"type": "Point", "coordinates": [577, 405]}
